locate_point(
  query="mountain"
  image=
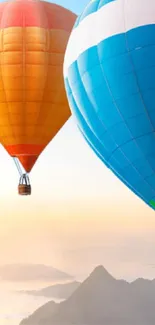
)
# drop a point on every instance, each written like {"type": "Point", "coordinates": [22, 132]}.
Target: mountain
{"type": "Point", "coordinates": [101, 300]}
{"type": "Point", "coordinates": [32, 272]}
{"type": "Point", "coordinates": [59, 291]}
{"type": "Point", "coordinates": [42, 314]}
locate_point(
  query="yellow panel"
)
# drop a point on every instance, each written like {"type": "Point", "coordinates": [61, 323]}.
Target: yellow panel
{"type": "Point", "coordinates": [32, 107]}
{"type": "Point", "coordinates": [55, 97]}
{"type": "Point", "coordinates": [54, 77]}
{"type": "Point", "coordinates": [35, 83]}
{"type": "Point", "coordinates": [14, 70]}
{"type": "Point", "coordinates": [38, 57]}
{"type": "Point", "coordinates": [14, 95]}
{"type": "Point", "coordinates": [16, 38]}
{"type": "Point", "coordinates": [56, 59]}
{"type": "Point", "coordinates": [59, 41]}
{"type": "Point", "coordinates": [2, 96]}
{"type": "Point", "coordinates": [29, 131]}
{"type": "Point", "coordinates": [13, 83]}
{"type": "Point", "coordinates": [4, 119]}
{"type": "Point", "coordinates": [12, 30]}
{"type": "Point", "coordinates": [13, 107]}
{"type": "Point", "coordinates": [7, 131]}
{"type": "Point", "coordinates": [3, 108]}
{"type": "Point", "coordinates": [1, 83]}
{"type": "Point", "coordinates": [35, 35]}
{"type": "Point", "coordinates": [8, 58]}
{"type": "Point", "coordinates": [32, 70]}
{"type": "Point", "coordinates": [17, 131]}
{"type": "Point", "coordinates": [34, 95]}
{"type": "Point", "coordinates": [17, 119]}
{"type": "Point", "coordinates": [31, 119]}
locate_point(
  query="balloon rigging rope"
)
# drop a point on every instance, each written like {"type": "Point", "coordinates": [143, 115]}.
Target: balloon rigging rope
{"type": "Point", "coordinates": [18, 166]}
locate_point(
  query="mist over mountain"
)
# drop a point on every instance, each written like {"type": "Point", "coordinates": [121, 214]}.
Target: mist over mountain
{"type": "Point", "coordinates": [32, 272]}
{"type": "Point", "coordinates": [101, 299]}
{"type": "Point", "coordinates": [59, 291]}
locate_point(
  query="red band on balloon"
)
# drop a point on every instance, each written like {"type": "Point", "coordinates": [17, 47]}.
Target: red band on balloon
{"type": "Point", "coordinates": [26, 153]}
{"type": "Point", "coordinates": [24, 149]}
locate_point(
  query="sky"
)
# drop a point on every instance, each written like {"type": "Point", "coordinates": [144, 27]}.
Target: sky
{"type": "Point", "coordinates": [76, 6]}
{"type": "Point", "coordinates": [79, 214]}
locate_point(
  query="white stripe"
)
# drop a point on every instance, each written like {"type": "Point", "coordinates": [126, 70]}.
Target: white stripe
{"type": "Point", "coordinates": [112, 19]}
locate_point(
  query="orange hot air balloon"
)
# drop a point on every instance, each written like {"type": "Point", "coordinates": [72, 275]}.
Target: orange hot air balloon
{"type": "Point", "coordinates": [33, 103]}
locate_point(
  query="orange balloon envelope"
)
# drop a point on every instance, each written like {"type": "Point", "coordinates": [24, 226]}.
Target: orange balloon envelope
{"type": "Point", "coordinates": [33, 103]}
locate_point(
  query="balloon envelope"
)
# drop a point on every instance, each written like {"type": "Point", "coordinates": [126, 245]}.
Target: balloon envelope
{"type": "Point", "coordinates": [33, 103]}
{"type": "Point", "coordinates": [109, 73]}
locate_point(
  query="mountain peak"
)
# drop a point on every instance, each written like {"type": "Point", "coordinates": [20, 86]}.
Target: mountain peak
{"type": "Point", "coordinates": [101, 273]}
{"type": "Point", "coordinates": [94, 287]}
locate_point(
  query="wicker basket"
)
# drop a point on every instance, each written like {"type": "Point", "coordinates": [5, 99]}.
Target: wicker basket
{"type": "Point", "coordinates": [24, 189]}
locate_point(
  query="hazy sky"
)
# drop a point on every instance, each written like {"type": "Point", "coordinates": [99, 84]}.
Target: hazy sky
{"type": "Point", "coordinates": [79, 214]}
{"type": "Point", "coordinates": [75, 5]}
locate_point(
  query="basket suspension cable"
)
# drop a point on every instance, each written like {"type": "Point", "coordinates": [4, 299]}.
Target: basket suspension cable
{"type": "Point", "coordinates": [24, 179]}
{"type": "Point", "coordinates": [24, 187]}
{"type": "Point", "coordinates": [18, 166]}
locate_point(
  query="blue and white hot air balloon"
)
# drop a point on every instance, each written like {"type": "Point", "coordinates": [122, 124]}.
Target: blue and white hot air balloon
{"type": "Point", "coordinates": [109, 73]}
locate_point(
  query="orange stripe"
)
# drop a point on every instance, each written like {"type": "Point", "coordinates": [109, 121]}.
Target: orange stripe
{"type": "Point", "coordinates": [26, 153]}
{"type": "Point", "coordinates": [28, 162]}
{"type": "Point", "coordinates": [24, 149]}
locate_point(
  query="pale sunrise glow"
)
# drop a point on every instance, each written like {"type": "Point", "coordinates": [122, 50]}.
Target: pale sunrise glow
{"type": "Point", "coordinates": [79, 213]}
{"type": "Point", "coordinates": [80, 221]}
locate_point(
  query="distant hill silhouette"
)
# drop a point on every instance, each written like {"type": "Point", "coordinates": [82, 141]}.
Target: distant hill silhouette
{"type": "Point", "coordinates": [32, 272]}
{"type": "Point", "coordinates": [101, 300]}
{"type": "Point", "coordinates": [59, 291]}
